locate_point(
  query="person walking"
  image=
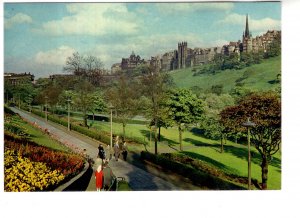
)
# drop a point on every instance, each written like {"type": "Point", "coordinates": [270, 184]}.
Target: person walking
{"type": "Point", "coordinates": [101, 152]}
{"type": "Point", "coordinates": [124, 151]}
{"type": "Point", "coordinates": [107, 153]}
{"type": "Point", "coordinates": [116, 148]}
{"type": "Point", "coordinates": [108, 176]}
{"type": "Point", "coordinates": [99, 178]}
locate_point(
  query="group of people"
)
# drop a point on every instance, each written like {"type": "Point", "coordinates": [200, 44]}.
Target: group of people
{"type": "Point", "coordinates": [104, 176]}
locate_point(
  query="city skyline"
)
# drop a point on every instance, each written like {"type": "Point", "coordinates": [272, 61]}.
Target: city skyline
{"type": "Point", "coordinates": [38, 37]}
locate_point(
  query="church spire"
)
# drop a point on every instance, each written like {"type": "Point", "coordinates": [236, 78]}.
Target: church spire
{"type": "Point", "coordinates": [247, 33]}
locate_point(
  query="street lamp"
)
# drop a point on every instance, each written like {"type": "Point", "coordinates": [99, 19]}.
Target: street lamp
{"type": "Point", "coordinates": [111, 107]}
{"type": "Point", "coordinates": [69, 100]}
{"type": "Point", "coordinates": [249, 124]}
{"type": "Point", "coordinates": [29, 102]}
{"type": "Point", "coordinates": [46, 99]}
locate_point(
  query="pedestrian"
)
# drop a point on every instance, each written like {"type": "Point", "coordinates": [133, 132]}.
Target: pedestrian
{"type": "Point", "coordinates": [97, 162]}
{"type": "Point", "coordinates": [124, 151]}
{"type": "Point", "coordinates": [116, 148]}
{"type": "Point", "coordinates": [108, 176]}
{"type": "Point", "coordinates": [99, 178]}
{"type": "Point", "coordinates": [107, 153]}
{"type": "Point", "coordinates": [101, 152]}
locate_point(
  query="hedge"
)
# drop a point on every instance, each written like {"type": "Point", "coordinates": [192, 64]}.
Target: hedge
{"type": "Point", "coordinates": [197, 176]}
{"type": "Point", "coordinates": [83, 130]}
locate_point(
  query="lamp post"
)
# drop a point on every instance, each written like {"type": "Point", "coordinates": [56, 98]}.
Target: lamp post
{"type": "Point", "coordinates": [19, 101]}
{"type": "Point", "coordinates": [249, 124]}
{"type": "Point", "coordinates": [69, 100]}
{"type": "Point", "coordinates": [111, 135]}
{"type": "Point", "coordinates": [29, 102]}
{"type": "Point", "coordinates": [46, 99]}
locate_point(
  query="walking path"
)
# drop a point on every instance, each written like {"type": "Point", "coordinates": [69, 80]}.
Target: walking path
{"type": "Point", "coordinates": [138, 179]}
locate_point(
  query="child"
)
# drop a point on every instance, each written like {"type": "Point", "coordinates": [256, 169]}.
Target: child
{"type": "Point", "coordinates": [99, 178]}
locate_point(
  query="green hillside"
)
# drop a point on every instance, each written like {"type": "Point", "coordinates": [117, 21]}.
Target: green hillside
{"type": "Point", "coordinates": [262, 77]}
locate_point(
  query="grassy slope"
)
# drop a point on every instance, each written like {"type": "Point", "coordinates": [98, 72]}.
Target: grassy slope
{"type": "Point", "coordinates": [38, 136]}
{"type": "Point", "coordinates": [264, 72]}
{"type": "Point", "coordinates": [233, 160]}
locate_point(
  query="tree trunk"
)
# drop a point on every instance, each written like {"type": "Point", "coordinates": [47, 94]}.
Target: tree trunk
{"type": "Point", "coordinates": [180, 136]}
{"type": "Point", "coordinates": [124, 125]}
{"type": "Point", "coordinates": [159, 133]}
{"type": "Point", "coordinates": [84, 119]}
{"type": "Point", "coordinates": [155, 136]}
{"type": "Point", "coordinates": [222, 145]}
{"type": "Point", "coordinates": [264, 173]}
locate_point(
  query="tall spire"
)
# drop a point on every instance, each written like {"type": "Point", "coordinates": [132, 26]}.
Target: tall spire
{"type": "Point", "coordinates": [247, 33]}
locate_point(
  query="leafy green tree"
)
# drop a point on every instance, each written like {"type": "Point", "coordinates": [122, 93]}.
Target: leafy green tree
{"type": "Point", "coordinates": [264, 109]}
{"type": "Point", "coordinates": [84, 98]}
{"type": "Point", "coordinates": [154, 86]}
{"type": "Point", "coordinates": [124, 98]}
{"type": "Point", "coordinates": [184, 108]}
{"type": "Point", "coordinates": [213, 105]}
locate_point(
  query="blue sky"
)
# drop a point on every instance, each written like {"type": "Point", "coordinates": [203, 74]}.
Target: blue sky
{"type": "Point", "coordinates": [38, 37]}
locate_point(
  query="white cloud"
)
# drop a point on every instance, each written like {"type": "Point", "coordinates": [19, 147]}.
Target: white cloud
{"type": "Point", "coordinates": [19, 18]}
{"type": "Point", "coordinates": [186, 7]}
{"type": "Point", "coordinates": [55, 56]}
{"type": "Point", "coordinates": [93, 19]}
{"type": "Point", "coordinates": [256, 25]}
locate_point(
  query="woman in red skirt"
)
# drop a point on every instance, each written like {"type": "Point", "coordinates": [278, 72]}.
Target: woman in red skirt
{"type": "Point", "coordinates": [99, 178]}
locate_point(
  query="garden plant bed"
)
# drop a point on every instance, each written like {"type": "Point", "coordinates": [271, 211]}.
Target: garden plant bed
{"type": "Point", "coordinates": [29, 166]}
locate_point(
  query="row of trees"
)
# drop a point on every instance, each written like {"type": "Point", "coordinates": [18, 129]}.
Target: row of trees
{"type": "Point", "coordinates": [154, 95]}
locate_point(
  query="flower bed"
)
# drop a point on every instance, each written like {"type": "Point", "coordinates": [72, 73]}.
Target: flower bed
{"type": "Point", "coordinates": [32, 168]}
{"type": "Point", "coordinates": [21, 174]}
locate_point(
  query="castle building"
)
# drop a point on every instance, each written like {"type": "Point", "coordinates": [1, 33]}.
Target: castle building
{"type": "Point", "coordinates": [185, 57]}
{"type": "Point", "coordinates": [182, 54]}
{"type": "Point", "coordinates": [132, 62]}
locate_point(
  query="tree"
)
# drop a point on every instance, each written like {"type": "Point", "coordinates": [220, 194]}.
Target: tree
{"type": "Point", "coordinates": [124, 97]}
{"type": "Point", "coordinates": [264, 109]}
{"type": "Point", "coordinates": [184, 108]}
{"type": "Point", "coordinates": [98, 103]}
{"type": "Point", "coordinates": [154, 86]}
{"type": "Point", "coordinates": [87, 66]}
{"type": "Point", "coordinates": [212, 105]}
{"type": "Point", "coordinates": [75, 64]}
{"type": "Point", "coordinates": [84, 98]}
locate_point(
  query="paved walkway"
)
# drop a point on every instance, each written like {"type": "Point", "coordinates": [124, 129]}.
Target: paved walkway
{"type": "Point", "coordinates": [138, 179]}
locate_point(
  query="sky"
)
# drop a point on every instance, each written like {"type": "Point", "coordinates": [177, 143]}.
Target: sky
{"type": "Point", "coordinates": [38, 37]}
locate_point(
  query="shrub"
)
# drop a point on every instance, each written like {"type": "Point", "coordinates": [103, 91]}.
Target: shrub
{"type": "Point", "coordinates": [196, 175]}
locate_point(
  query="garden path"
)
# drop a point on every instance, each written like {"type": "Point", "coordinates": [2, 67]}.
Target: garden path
{"type": "Point", "coordinates": [138, 179]}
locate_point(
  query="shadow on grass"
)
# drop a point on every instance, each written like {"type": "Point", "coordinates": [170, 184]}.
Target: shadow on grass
{"type": "Point", "coordinates": [240, 152]}
{"type": "Point", "coordinates": [146, 133]}
{"type": "Point", "coordinates": [210, 161]}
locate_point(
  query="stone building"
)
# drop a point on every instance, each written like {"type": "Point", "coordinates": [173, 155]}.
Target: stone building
{"type": "Point", "coordinates": [169, 61]}
{"type": "Point", "coordinates": [204, 55]}
{"type": "Point", "coordinates": [182, 54]}
{"type": "Point", "coordinates": [115, 68]}
{"type": "Point", "coordinates": [17, 79]}
{"type": "Point", "coordinates": [259, 43]}
{"type": "Point", "coordinates": [132, 62]}
{"type": "Point", "coordinates": [185, 57]}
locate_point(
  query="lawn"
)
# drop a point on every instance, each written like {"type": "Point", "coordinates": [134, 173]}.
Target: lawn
{"type": "Point", "coordinates": [232, 161]}
{"type": "Point", "coordinates": [38, 136]}
{"type": "Point", "coordinates": [262, 78]}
